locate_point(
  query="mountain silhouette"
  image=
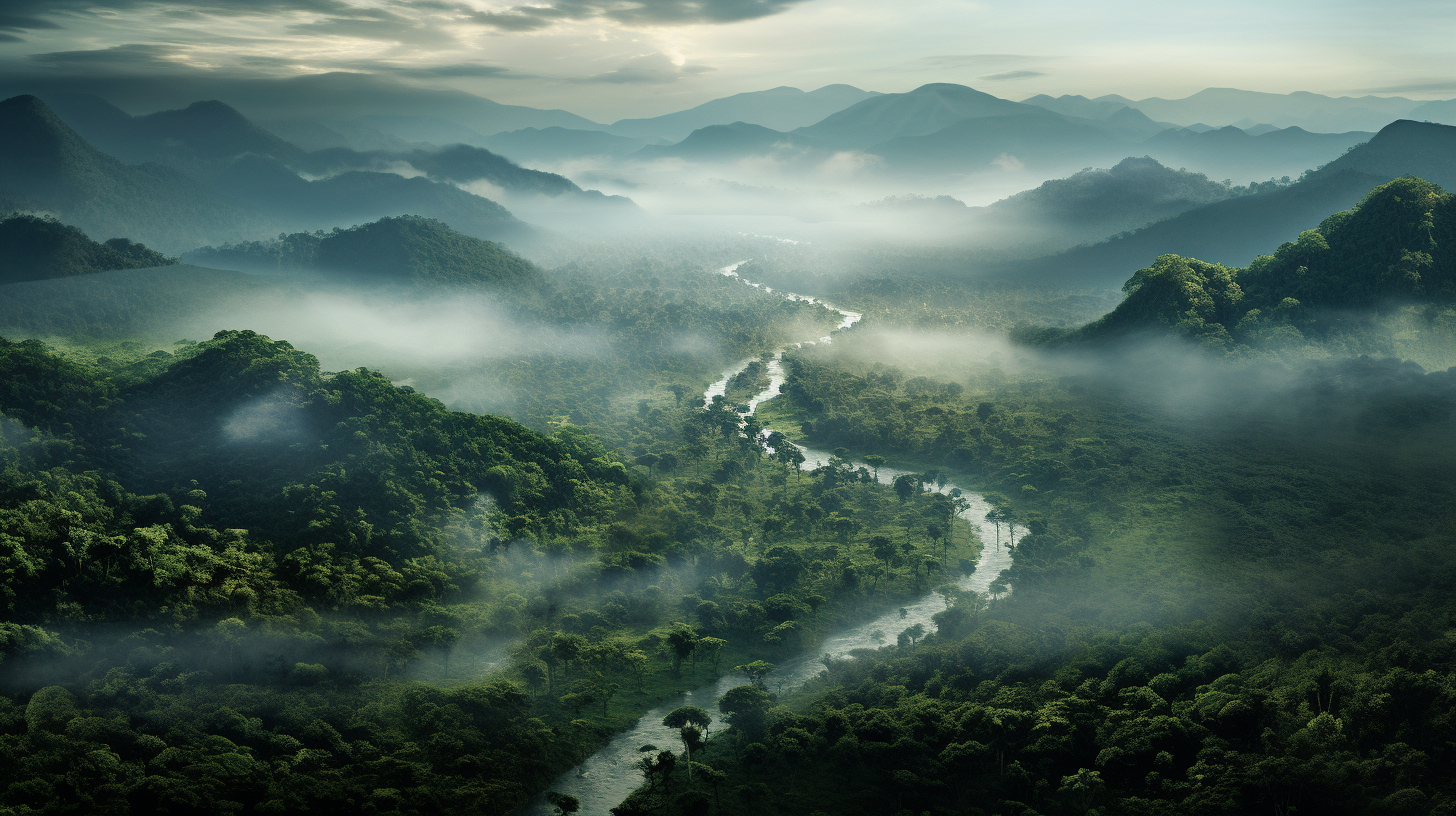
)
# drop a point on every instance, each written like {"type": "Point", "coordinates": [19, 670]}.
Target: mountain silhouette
{"type": "Point", "coordinates": [781, 108]}
{"type": "Point", "coordinates": [47, 166]}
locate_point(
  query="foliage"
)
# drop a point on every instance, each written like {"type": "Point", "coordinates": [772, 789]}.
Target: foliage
{"type": "Point", "coordinates": [1390, 249]}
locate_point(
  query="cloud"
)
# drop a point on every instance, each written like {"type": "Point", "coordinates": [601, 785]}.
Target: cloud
{"type": "Point", "coordinates": [375, 24]}
{"type": "Point", "coordinates": [10, 38]}
{"type": "Point", "coordinates": [1013, 75]}
{"type": "Point", "coordinates": [1008, 162]}
{"type": "Point", "coordinates": [23, 22]}
{"type": "Point", "coordinates": [642, 12]}
{"type": "Point", "coordinates": [648, 69]}
{"type": "Point", "coordinates": [461, 70]}
{"type": "Point", "coordinates": [129, 57]}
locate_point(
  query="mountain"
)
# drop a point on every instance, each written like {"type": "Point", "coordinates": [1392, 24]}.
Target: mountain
{"type": "Point", "coordinates": [1234, 232]}
{"type": "Point", "coordinates": [343, 95]}
{"type": "Point", "coordinates": [34, 248]}
{"type": "Point", "coordinates": [1030, 137]}
{"type": "Point", "coordinates": [1314, 112]}
{"type": "Point", "coordinates": [1404, 148]}
{"type": "Point", "coordinates": [422, 251]}
{"type": "Point", "coordinates": [45, 165]}
{"type": "Point", "coordinates": [1096, 203]}
{"type": "Point", "coordinates": [356, 196]}
{"type": "Point", "coordinates": [1231, 152]}
{"type": "Point", "coordinates": [458, 164]}
{"type": "Point", "coordinates": [203, 131]}
{"type": "Point", "coordinates": [1078, 106]}
{"type": "Point", "coordinates": [1130, 123]}
{"type": "Point", "coordinates": [555, 143]}
{"type": "Point", "coordinates": [920, 112]}
{"type": "Point", "coordinates": [729, 142]}
{"type": "Point", "coordinates": [402, 250]}
{"type": "Point", "coordinates": [1441, 112]}
{"type": "Point", "coordinates": [1231, 232]}
{"type": "Point", "coordinates": [781, 108]}
{"type": "Point", "coordinates": [1394, 246]}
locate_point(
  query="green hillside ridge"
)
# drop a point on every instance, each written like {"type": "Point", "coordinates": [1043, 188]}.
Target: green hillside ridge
{"type": "Point", "coordinates": [404, 249]}
{"type": "Point", "coordinates": [1391, 248]}
{"type": "Point", "coordinates": [37, 248]}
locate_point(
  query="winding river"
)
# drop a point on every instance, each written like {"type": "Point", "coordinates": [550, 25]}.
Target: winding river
{"type": "Point", "coordinates": [610, 775]}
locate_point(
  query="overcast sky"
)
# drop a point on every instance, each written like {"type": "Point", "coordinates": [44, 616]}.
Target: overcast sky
{"type": "Point", "coordinates": [611, 59]}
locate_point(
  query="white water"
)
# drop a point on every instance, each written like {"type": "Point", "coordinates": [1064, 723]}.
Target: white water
{"type": "Point", "coordinates": [610, 775]}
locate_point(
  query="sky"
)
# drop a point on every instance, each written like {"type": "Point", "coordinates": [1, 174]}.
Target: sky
{"type": "Point", "coordinates": [614, 59]}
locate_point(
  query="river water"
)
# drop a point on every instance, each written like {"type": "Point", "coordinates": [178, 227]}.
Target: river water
{"type": "Point", "coordinates": [610, 775]}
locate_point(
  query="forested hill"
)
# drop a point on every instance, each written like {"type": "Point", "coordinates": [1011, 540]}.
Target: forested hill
{"type": "Point", "coordinates": [250, 435]}
{"type": "Point", "coordinates": [407, 249]}
{"type": "Point", "coordinates": [35, 248]}
{"type": "Point", "coordinates": [1394, 247]}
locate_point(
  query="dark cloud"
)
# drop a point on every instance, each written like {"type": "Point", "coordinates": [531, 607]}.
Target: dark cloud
{"type": "Point", "coordinates": [377, 25]}
{"type": "Point", "coordinates": [464, 70]}
{"type": "Point", "coordinates": [39, 13]}
{"type": "Point", "coordinates": [123, 58]}
{"type": "Point", "coordinates": [23, 22]}
{"type": "Point", "coordinates": [10, 38]}
{"type": "Point", "coordinates": [652, 69]}
{"type": "Point", "coordinates": [44, 9]}
{"type": "Point", "coordinates": [1013, 75]}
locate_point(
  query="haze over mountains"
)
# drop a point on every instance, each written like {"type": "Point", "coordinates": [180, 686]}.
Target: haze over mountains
{"type": "Point", "coordinates": [1235, 231]}
{"type": "Point", "coordinates": [206, 174]}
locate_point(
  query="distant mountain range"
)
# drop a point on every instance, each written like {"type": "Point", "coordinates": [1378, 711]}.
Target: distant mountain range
{"type": "Point", "coordinates": [941, 128]}
{"type": "Point", "coordinates": [1230, 106]}
{"type": "Point", "coordinates": [207, 175]}
{"type": "Point", "coordinates": [1233, 232]}
{"type": "Point", "coordinates": [781, 108]}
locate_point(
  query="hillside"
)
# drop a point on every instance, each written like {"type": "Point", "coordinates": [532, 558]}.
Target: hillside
{"type": "Point", "coordinates": [1230, 152]}
{"type": "Point", "coordinates": [34, 248]}
{"type": "Point", "coordinates": [203, 131]}
{"type": "Point", "coordinates": [1234, 232]}
{"type": "Point", "coordinates": [1394, 247]}
{"type": "Point", "coordinates": [401, 250]}
{"type": "Point", "coordinates": [1095, 203]}
{"type": "Point", "coordinates": [357, 196]}
{"type": "Point", "coordinates": [729, 142]}
{"type": "Point", "coordinates": [1403, 148]}
{"type": "Point", "coordinates": [916, 113]}
{"type": "Point", "coordinates": [1030, 137]}
{"type": "Point", "coordinates": [781, 108]}
{"type": "Point", "coordinates": [47, 166]}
